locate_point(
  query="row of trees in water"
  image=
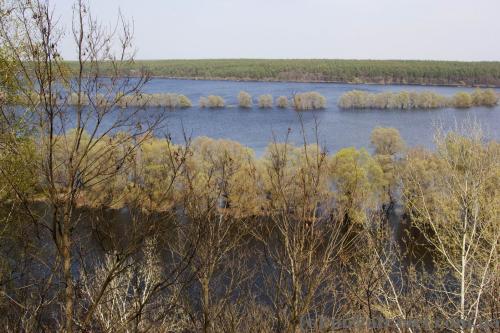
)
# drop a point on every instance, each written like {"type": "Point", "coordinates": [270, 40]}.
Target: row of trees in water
{"type": "Point", "coordinates": [300, 101]}
{"type": "Point", "coordinates": [104, 226]}
{"type": "Point", "coordinates": [355, 99]}
{"type": "Point", "coordinates": [405, 100]}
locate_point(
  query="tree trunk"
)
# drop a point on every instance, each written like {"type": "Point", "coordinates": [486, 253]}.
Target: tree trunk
{"type": "Point", "coordinates": [206, 305]}
{"type": "Point", "coordinates": [68, 278]}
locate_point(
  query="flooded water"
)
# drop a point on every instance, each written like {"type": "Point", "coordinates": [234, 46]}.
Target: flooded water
{"type": "Point", "coordinates": [337, 128]}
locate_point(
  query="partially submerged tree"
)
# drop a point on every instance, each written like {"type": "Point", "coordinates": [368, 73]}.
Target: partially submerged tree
{"type": "Point", "coordinates": [244, 100]}
{"type": "Point", "coordinates": [387, 141]}
{"type": "Point", "coordinates": [282, 102]}
{"type": "Point", "coordinates": [358, 183]}
{"type": "Point", "coordinates": [309, 101]}
{"type": "Point", "coordinates": [212, 102]}
{"type": "Point", "coordinates": [265, 101]}
{"type": "Point", "coordinates": [388, 147]}
{"type": "Point", "coordinates": [462, 100]}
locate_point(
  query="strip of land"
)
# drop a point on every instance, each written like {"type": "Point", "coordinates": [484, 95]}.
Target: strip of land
{"type": "Point", "coordinates": [411, 72]}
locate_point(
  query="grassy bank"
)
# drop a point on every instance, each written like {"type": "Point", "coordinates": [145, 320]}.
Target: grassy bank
{"type": "Point", "coordinates": [318, 70]}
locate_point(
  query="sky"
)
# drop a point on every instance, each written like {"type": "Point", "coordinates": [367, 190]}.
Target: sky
{"type": "Point", "coordinates": [335, 29]}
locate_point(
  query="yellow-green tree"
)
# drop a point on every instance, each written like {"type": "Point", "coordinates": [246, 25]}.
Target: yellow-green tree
{"type": "Point", "coordinates": [244, 100]}
{"type": "Point", "coordinates": [357, 181]}
{"type": "Point", "coordinates": [462, 100]}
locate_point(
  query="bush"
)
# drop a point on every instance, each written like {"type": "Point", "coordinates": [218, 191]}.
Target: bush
{"type": "Point", "coordinates": [387, 141]}
{"type": "Point", "coordinates": [167, 100]}
{"type": "Point", "coordinates": [484, 97]}
{"type": "Point", "coordinates": [403, 100]}
{"type": "Point", "coordinates": [462, 100]}
{"type": "Point", "coordinates": [309, 101]}
{"type": "Point", "coordinates": [355, 99]}
{"type": "Point", "coordinates": [212, 102]}
{"type": "Point", "coordinates": [244, 100]}
{"type": "Point", "coordinates": [184, 102]}
{"type": "Point", "coordinates": [163, 100]}
{"type": "Point", "coordinates": [282, 102]}
{"type": "Point", "coordinates": [265, 101]}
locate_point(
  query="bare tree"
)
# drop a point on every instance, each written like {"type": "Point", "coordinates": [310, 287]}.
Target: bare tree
{"type": "Point", "coordinates": [302, 240]}
{"type": "Point", "coordinates": [213, 228]}
{"type": "Point", "coordinates": [89, 154]}
{"type": "Point", "coordinates": [452, 198]}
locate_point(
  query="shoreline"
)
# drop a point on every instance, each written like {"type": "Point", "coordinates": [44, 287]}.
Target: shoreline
{"type": "Point", "coordinates": [271, 80]}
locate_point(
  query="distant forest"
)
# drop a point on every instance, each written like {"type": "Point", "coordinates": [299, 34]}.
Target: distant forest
{"type": "Point", "coordinates": [316, 70]}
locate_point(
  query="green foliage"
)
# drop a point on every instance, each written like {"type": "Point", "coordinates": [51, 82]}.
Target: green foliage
{"type": "Point", "coordinates": [486, 97]}
{"type": "Point", "coordinates": [222, 169]}
{"type": "Point", "coordinates": [8, 80]}
{"type": "Point", "coordinates": [18, 162]}
{"type": "Point", "coordinates": [355, 71]}
{"type": "Point", "coordinates": [462, 100]}
{"type": "Point", "coordinates": [387, 141]}
{"type": "Point", "coordinates": [388, 144]}
{"type": "Point", "coordinates": [358, 181]}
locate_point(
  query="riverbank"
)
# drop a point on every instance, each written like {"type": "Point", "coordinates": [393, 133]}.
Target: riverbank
{"type": "Point", "coordinates": [407, 72]}
{"type": "Point", "coordinates": [271, 80]}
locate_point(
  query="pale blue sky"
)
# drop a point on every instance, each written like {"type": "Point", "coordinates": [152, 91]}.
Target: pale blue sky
{"type": "Point", "coordinates": [360, 29]}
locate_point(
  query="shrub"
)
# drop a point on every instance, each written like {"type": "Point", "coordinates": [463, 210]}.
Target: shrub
{"type": "Point", "coordinates": [387, 141]}
{"type": "Point", "coordinates": [163, 100]}
{"type": "Point", "coordinates": [392, 100]}
{"type": "Point", "coordinates": [184, 102]}
{"type": "Point", "coordinates": [265, 101]}
{"type": "Point", "coordinates": [484, 97]}
{"type": "Point", "coordinates": [309, 101]}
{"type": "Point", "coordinates": [244, 100]}
{"type": "Point", "coordinates": [167, 100]}
{"type": "Point", "coordinates": [282, 102]}
{"type": "Point", "coordinates": [490, 98]}
{"type": "Point", "coordinates": [212, 101]}
{"type": "Point", "coordinates": [354, 99]}
{"type": "Point", "coordinates": [462, 100]}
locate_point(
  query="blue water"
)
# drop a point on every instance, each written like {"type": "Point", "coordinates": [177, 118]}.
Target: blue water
{"type": "Point", "coordinates": [337, 128]}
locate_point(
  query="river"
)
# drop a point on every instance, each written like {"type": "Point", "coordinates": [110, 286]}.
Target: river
{"type": "Point", "coordinates": [337, 128]}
